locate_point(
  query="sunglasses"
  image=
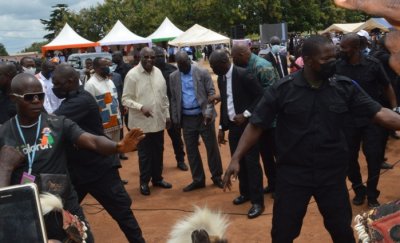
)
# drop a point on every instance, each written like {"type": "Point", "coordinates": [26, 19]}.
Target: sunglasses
{"type": "Point", "coordinates": [29, 97]}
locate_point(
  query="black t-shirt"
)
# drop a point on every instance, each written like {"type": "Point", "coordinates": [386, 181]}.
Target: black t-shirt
{"type": "Point", "coordinates": [50, 156]}
{"type": "Point", "coordinates": [85, 166]}
{"type": "Point", "coordinates": [311, 146]}
{"type": "Point", "coordinates": [7, 107]}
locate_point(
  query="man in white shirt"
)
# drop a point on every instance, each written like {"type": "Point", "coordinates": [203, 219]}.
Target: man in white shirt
{"type": "Point", "coordinates": [145, 94]}
{"type": "Point", "coordinates": [51, 102]}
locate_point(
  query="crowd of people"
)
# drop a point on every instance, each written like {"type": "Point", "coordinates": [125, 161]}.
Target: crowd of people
{"type": "Point", "coordinates": [306, 116]}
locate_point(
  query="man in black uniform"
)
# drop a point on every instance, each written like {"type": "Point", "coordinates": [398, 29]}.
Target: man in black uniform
{"type": "Point", "coordinates": [41, 138]}
{"type": "Point", "coordinates": [122, 67]}
{"type": "Point", "coordinates": [91, 172]}
{"type": "Point", "coordinates": [240, 92]}
{"type": "Point", "coordinates": [174, 133]}
{"type": "Point", "coordinates": [367, 72]}
{"type": "Point", "coordinates": [312, 157]}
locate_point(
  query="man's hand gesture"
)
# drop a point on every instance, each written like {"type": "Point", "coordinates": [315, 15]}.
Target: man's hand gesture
{"type": "Point", "coordinates": [231, 172]}
{"type": "Point", "coordinates": [130, 141]}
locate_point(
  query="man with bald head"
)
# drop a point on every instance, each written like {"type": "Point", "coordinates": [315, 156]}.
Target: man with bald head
{"type": "Point", "coordinates": [42, 139]}
{"type": "Point", "coordinates": [92, 173]}
{"type": "Point", "coordinates": [368, 73]}
{"type": "Point", "coordinates": [240, 92]}
{"type": "Point", "coordinates": [267, 76]}
{"type": "Point", "coordinates": [278, 60]}
{"type": "Point", "coordinates": [51, 102]}
{"type": "Point", "coordinates": [7, 108]}
{"type": "Point", "coordinates": [145, 95]}
{"type": "Point", "coordinates": [191, 86]}
{"type": "Point", "coordinates": [174, 132]}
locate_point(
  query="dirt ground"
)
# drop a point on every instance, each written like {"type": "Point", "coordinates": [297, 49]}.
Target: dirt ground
{"type": "Point", "coordinates": [158, 212]}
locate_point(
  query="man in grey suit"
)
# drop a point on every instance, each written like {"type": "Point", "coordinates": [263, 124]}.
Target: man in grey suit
{"type": "Point", "coordinates": [190, 88]}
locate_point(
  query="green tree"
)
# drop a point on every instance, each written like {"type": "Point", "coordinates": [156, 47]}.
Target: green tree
{"type": "Point", "coordinates": [35, 46]}
{"type": "Point", "coordinates": [58, 17]}
{"type": "Point", "coordinates": [3, 51]}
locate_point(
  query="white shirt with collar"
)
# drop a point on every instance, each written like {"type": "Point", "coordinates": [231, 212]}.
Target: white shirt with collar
{"type": "Point", "coordinates": [51, 102]}
{"type": "Point", "coordinates": [229, 94]}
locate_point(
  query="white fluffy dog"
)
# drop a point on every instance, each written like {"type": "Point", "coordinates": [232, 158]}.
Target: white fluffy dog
{"type": "Point", "coordinates": [203, 226]}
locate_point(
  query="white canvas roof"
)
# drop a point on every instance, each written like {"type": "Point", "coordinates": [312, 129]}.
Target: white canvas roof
{"type": "Point", "coordinates": [373, 23]}
{"type": "Point", "coordinates": [68, 38]}
{"type": "Point", "coordinates": [198, 35]}
{"type": "Point", "coordinates": [120, 35]}
{"type": "Point", "coordinates": [345, 28]}
{"type": "Point", "coordinates": [166, 31]}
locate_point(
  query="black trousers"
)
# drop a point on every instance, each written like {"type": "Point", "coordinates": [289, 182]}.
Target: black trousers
{"type": "Point", "coordinates": [372, 138]}
{"type": "Point", "coordinates": [193, 127]}
{"type": "Point", "coordinates": [250, 174]}
{"type": "Point", "coordinates": [150, 151]}
{"type": "Point", "coordinates": [267, 149]}
{"type": "Point", "coordinates": [290, 206]}
{"type": "Point", "coordinates": [111, 194]}
{"type": "Point", "coordinates": [176, 137]}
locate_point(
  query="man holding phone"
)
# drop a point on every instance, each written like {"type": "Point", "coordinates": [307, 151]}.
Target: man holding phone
{"type": "Point", "coordinates": [41, 139]}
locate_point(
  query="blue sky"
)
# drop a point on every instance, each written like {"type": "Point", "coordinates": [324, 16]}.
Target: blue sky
{"type": "Point", "coordinates": [20, 20]}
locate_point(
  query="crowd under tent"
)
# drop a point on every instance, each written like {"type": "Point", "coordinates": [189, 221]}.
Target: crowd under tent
{"type": "Point", "coordinates": [198, 35]}
{"type": "Point", "coordinates": [375, 23]}
{"type": "Point", "coordinates": [343, 28]}
{"type": "Point", "coordinates": [120, 35]}
{"type": "Point", "coordinates": [68, 38]}
{"type": "Point", "coordinates": [165, 32]}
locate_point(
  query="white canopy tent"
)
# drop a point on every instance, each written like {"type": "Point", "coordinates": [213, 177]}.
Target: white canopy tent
{"type": "Point", "coordinates": [345, 28]}
{"type": "Point", "coordinates": [120, 35]}
{"type": "Point", "coordinates": [199, 35]}
{"type": "Point", "coordinates": [165, 32]}
{"type": "Point", "coordinates": [68, 38]}
{"type": "Point", "coordinates": [373, 23]}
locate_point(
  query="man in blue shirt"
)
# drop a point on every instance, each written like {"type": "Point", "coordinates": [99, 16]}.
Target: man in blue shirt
{"type": "Point", "coordinates": [190, 88]}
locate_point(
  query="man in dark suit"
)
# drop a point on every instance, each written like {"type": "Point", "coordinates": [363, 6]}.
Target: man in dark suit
{"type": "Point", "coordinates": [278, 60]}
{"type": "Point", "coordinates": [190, 87]}
{"type": "Point", "coordinates": [174, 132]}
{"type": "Point", "coordinates": [240, 92]}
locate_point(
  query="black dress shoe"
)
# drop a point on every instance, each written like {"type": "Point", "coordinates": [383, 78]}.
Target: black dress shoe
{"type": "Point", "coordinates": [373, 203]}
{"type": "Point", "coordinates": [386, 166]}
{"type": "Point", "coordinates": [240, 200]}
{"type": "Point", "coordinates": [218, 182]}
{"type": "Point", "coordinates": [123, 157]}
{"type": "Point", "coordinates": [193, 186]}
{"type": "Point", "coordinates": [358, 200]}
{"type": "Point", "coordinates": [268, 189]}
{"type": "Point", "coordinates": [255, 211]}
{"type": "Point", "coordinates": [162, 184]}
{"type": "Point", "coordinates": [144, 189]}
{"type": "Point", "coordinates": [124, 181]}
{"type": "Point", "coordinates": [182, 166]}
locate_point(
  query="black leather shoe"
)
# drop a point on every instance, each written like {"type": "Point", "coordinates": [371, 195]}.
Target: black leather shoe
{"type": "Point", "coordinates": [358, 200]}
{"type": "Point", "coordinates": [144, 189]}
{"type": "Point", "coordinates": [373, 203]}
{"type": "Point", "coordinates": [182, 166]}
{"type": "Point", "coordinates": [193, 186]}
{"type": "Point", "coordinates": [240, 200]}
{"type": "Point", "coordinates": [386, 166]}
{"type": "Point", "coordinates": [268, 189]}
{"type": "Point", "coordinates": [125, 182]}
{"type": "Point", "coordinates": [218, 182]}
{"type": "Point", "coordinates": [123, 157]}
{"type": "Point", "coordinates": [162, 184]}
{"type": "Point", "coordinates": [255, 211]}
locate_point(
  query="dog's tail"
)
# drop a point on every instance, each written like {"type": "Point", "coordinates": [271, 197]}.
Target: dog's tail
{"type": "Point", "coordinates": [202, 222]}
{"type": "Point", "coordinates": [50, 202]}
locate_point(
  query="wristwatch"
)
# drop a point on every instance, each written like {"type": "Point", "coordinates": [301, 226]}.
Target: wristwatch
{"type": "Point", "coordinates": [246, 114]}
